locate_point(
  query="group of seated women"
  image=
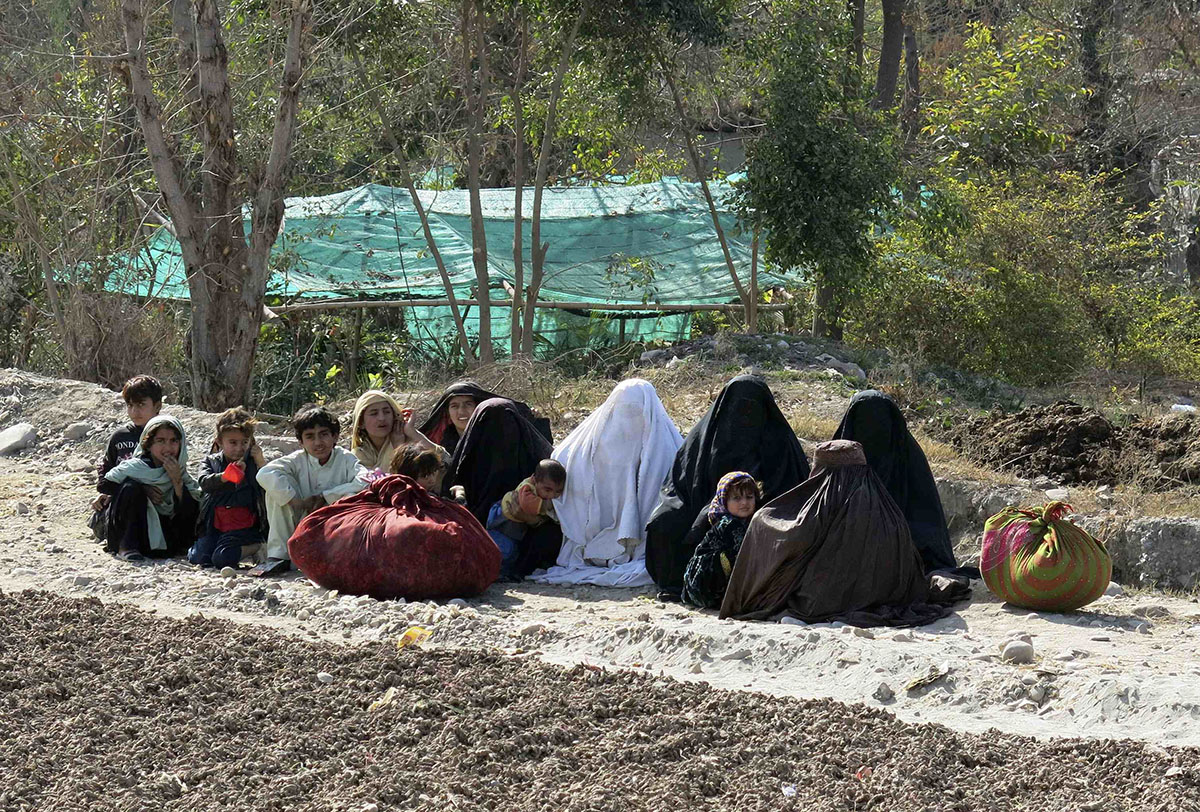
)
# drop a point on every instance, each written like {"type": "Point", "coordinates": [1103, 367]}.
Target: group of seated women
{"type": "Point", "coordinates": [730, 518]}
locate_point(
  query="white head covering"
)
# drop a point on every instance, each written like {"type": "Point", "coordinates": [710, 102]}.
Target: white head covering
{"type": "Point", "coordinates": [616, 462]}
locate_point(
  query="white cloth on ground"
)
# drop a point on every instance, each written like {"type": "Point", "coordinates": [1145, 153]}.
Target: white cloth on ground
{"type": "Point", "coordinates": [616, 461]}
{"type": "Point", "coordinates": [140, 469]}
{"type": "Point", "coordinates": [299, 476]}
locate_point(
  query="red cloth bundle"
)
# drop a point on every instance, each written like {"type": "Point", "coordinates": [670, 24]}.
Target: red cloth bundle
{"type": "Point", "coordinates": [396, 540]}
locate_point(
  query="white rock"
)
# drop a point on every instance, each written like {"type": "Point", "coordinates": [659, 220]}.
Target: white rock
{"type": "Point", "coordinates": [243, 591]}
{"type": "Point", "coordinates": [1037, 693]}
{"type": "Point", "coordinates": [532, 628]}
{"type": "Point", "coordinates": [23, 572]}
{"type": "Point", "coordinates": [77, 431]}
{"type": "Point", "coordinates": [1058, 494]}
{"type": "Point", "coordinates": [902, 637]}
{"type": "Point", "coordinates": [740, 654]}
{"type": "Point", "coordinates": [1018, 652]}
{"type": "Point", "coordinates": [79, 465]}
{"type": "Point", "coordinates": [325, 677]}
{"type": "Point", "coordinates": [884, 692]}
{"type": "Point", "coordinates": [459, 602]}
{"type": "Point", "coordinates": [228, 572]}
{"type": "Point", "coordinates": [791, 621]}
{"type": "Point", "coordinates": [303, 614]}
{"type": "Point", "coordinates": [1114, 590]}
{"type": "Point", "coordinates": [17, 438]}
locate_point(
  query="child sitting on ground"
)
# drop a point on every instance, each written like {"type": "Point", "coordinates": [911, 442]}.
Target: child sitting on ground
{"type": "Point", "coordinates": [528, 505]}
{"type": "Point", "coordinates": [233, 515]}
{"type": "Point", "coordinates": [143, 400]}
{"type": "Point", "coordinates": [707, 573]}
{"type": "Point", "coordinates": [295, 485]}
{"type": "Point", "coordinates": [153, 512]}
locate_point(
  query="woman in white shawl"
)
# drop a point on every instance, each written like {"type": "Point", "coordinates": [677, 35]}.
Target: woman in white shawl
{"type": "Point", "coordinates": [616, 461]}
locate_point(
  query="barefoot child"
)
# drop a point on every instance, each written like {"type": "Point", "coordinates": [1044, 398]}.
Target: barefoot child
{"type": "Point", "coordinates": [707, 573]}
{"type": "Point", "coordinates": [143, 400]}
{"type": "Point", "coordinates": [318, 474]}
{"type": "Point", "coordinates": [232, 511]}
{"type": "Point", "coordinates": [527, 506]}
{"type": "Point", "coordinates": [153, 512]}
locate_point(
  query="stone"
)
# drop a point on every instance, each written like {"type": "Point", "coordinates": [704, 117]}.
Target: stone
{"type": "Point", "coordinates": [228, 572]}
{"type": "Point", "coordinates": [21, 508]}
{"type": "Point", "coordinates": [532, 628]}
{"type": "Point", "coordinates": [654, 356]}
{"type": "Point", "coordinates": [82, 580]}
{"type": "Point", "coordinates": [303, 614]}
{"type": "Point", "coordinates": [884, 693]}
{"type": "Point", "coordinates": [17, 438]}
{"type": "Point", "coordinates": [77, 431]}
{"type": "Point", "coordinates": [1037, 693]}
{"type": "Point", "coordinates": [697, 668]}
{"type": "Point", "coordinates": [22, 572]}
{"type": "Point", "coordinates": [459, 602]}
{"type": "Point", "coordinates": [1150, 610]}
{"type": "Point", "coordinates": [1058, 494]}
{"type": "Point", "coordinates": [325, 677]}
{"type": "Point", "coordinates": [740, 654]}
{"type": "Point", "coordinates": [902, 637]}
{"type": "Point", "coordinates": [787, 620]}
{"type": "Point", "coordinates": [864, 633]}
{"type": "Point", "coordinates": [78, 465]}
{"type": "Point", "coordinates": [1017, 652]}
{"type": "Point", "coordinates": [1114, 590]}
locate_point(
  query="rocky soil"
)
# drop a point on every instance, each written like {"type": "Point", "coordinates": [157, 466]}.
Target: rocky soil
{"type": "Point", "coordinates": [109, 708]}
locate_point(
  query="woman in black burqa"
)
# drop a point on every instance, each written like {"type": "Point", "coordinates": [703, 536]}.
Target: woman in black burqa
{"type": "Point", "coordinates": [874, 421]}
{"type": "Point", "coordinates": [742, 431]}
{"type": "Point", "coordinates": [445, 428]}
{"type": "Point", "coordinates": [498, 450]}
{"type": "Point", "coordinates": [834, 548]}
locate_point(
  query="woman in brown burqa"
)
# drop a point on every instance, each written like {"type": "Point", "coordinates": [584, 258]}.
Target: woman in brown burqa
{"type": "Point", "coordinates": [836, 547]}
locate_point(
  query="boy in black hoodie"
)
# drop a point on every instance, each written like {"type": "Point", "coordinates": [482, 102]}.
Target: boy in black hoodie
{"type": "Point", "coordinates": [143, 400]}
{"type": "Point", "coordinates": [232, 521]}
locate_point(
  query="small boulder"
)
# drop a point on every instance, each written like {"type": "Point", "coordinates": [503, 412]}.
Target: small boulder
{"type": "Point", "coordinates": [77, 431]}
{"type": "Point", "coordinates": [17, 438]}
{"type": "Point", "coordinates": [884, 693]}
{"type": "Point", "coordinates": [21, 508]}
{"type": "Point", "coordinates": [1017, 652]}
{"type": "Point", "coordinates": [79, 465]}
{"type": "Point", "coordinates": [1058, 494]}
{"type": "Point", "coordinates": [532, 628]}
{"type": "Point", "coordinates": [1114, 590]}
{"type": "Point", "coordinates": [228, 572]}
{"type": "Point", "coordinates": [325, 677]}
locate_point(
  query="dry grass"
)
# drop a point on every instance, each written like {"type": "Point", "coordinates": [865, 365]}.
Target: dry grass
{"type": "Point", "coordinates": [948, 462]}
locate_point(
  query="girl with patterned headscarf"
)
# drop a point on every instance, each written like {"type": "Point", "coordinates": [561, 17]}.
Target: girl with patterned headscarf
{"type": "Point", "coordinates": [707, 574]}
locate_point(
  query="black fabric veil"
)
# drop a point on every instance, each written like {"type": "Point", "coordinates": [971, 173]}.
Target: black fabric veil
{"type": "Point", "coordinates": [744, 430]}
{"type": "Point", "coordinates": [438, 427]}
{"type": "Point", "coordinates": [874, 421]}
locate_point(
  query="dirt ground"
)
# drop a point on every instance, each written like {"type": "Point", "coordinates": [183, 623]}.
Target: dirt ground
{"type": "Point", "coordinates": [109, 708]}
{"type": "Point", "coordinates": [1124, 668]}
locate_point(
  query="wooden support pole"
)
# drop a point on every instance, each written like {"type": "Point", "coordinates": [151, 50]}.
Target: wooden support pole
{"type": "Point", "coordinates": [620, 307]}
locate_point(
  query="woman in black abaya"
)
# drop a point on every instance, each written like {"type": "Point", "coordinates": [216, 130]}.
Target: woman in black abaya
{"type": "Point", "coordinates": [448, 419]}
{"type": "Point", "coordinates": [874, 421]}
{"type": "Point", "coordinates": [742, 431]}
{"type": "Point", "coordinates": [499, 448]}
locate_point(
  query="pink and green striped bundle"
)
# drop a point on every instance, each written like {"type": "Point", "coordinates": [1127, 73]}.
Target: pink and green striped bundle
{"type": "Point", "coordinates": [1034, 558]}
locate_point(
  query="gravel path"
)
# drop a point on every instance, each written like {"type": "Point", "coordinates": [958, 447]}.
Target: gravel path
{"type": "Point", "coordinates": [104, 707]}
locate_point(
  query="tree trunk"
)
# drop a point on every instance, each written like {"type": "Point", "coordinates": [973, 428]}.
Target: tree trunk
{"type": "Point", "coordinates": [519, 188]}
{"type": "Point", "coordinates": [910, 118]}
{"type": "Point", "coordinates": [826, 316]}
{"type": "Point", "coordinates": [858, 19]}
{"type": "Point", "coordinates": [890, 49]}
{"type": "Point", "coordinates": [539, 248]}
{"type": "Point", "coordinates": [227, 277]}
{"type": "Point", "coordinates": [1192, 257]}
{"type": "Point", "coordinates": [1096, 18]}
{"type": "Point", "coordinates": [473, 29]}
{"type": "Point", "coordinates": [698, 168]}
{"type": "Point", "coordinates": [752, 307]}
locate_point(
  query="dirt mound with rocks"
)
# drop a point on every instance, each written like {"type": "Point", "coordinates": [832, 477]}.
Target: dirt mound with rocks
{"type": "Point", "coordinates": [1067, 442]}
{"type": "Point", "coordinates": [106, 708]}
{"type": "Point", "coordinates": [1073, 445]}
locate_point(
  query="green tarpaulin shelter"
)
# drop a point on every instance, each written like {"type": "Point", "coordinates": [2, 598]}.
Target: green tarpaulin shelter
{"type": "Point", "coordinates": [645, 244]}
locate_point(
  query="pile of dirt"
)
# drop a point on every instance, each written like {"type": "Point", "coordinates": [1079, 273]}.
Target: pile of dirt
{"type": "Point", "coordinates": [104, 707]}
{"type": "Point", "coordinates": [1161, 454]}
{"type": "Point", "coordinates": [1067, 442]}
{"type": "Point", "coordinates": [1074, 445]}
